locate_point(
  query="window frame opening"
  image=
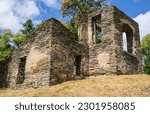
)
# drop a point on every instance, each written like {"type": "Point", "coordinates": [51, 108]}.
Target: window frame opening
{"type": "Point", "coordinates": [97, 32]}
{"type": "Point", "coordinates": [127, 30]}
{"type": "Point", "coordinates": [125, 47]}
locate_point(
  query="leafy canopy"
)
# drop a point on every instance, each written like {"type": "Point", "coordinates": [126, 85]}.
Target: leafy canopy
{"type": "Point", "coordinates": [5, 46]}
{"type": "Point", "coordinates": [146, 53]}
{"type": "Point", "coordinates": [19, 39]}
{"type": "Point", "coordinates": [10, 41]}
{"type": "Point", "coordinates": [28, 28]}
{"type": "Point", "coordinates": [72, 8]}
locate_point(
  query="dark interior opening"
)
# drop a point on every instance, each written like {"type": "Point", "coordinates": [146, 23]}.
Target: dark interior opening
{"type": "Point", "coordinates": [4, 73]}
{"type": "Point", "coordinates": [78, 65]}
{"type": "Point", "coordinates": [21, 71]}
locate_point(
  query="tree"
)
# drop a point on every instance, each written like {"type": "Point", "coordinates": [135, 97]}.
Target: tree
{"type": "Point", "coordinates": [146, 53]}
{"type": "Point", "coordinates": [22, 37]}
{"type": "Point", "coordinates": [5, 47]}
{"type": "Point", "coordinates": [28, 28]}
{"type": "Point", "coordinates": [19, 39]}
{"type": "Point", "coordinates": [73, 28]}
{"type": "Point", "coordinates": [9, 41]}
{"type": "Point", "coordinates": [72, 8]}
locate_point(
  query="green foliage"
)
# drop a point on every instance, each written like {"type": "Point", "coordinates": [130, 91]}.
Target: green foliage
{"type": "Point", "coordinates": [98, 37]}
{"type": "Point", "coordinates": [6, 36]}
{"type": "Point", "coordinates": [73, 28]}
{"type": "Point", "coordinates": [19, 39]}
{"type": "Point", "coordinates": [146, 53]}
{"type": "Point", "coordinates": [9, 41]}
{"type": "Point", "coordinates": [28, 28]}
{"type": "Point", "coordinates": [72, 8]}
{"type": "Point", "coordinates": [5, 47]}
{"type": "Point", "coordinates": [40, 24]}
{"type": "Point", "coordinates": [147, 68]}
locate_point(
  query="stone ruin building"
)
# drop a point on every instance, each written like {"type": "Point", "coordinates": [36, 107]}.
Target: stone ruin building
{"type": "Point", "coordinates": [53, 55]}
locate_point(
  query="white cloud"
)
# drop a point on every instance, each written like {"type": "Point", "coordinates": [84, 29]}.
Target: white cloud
{"type": "Point", "coordinates": [15, 12]}
{"type": "Point", "coordinates": [10, 21]}
{"type": "Point", "coordinates": [144, 23]}
{"type": "Point", "coordinates": [26, 9]}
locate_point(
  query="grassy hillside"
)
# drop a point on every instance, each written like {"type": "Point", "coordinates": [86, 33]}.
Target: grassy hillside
{"type": "Point", "coordinates": [133, 85]}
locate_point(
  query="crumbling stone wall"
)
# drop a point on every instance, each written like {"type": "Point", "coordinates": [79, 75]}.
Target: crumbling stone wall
{"type": "Point", "coordinates": [64, 49]}
{"type": "Point", "coordinates": [53, 56]}
{"type": "Point", "coordinates": [108, 56]}
{"type": "Point", "coordinates": [3, 73]}
{"type": "Point", "coordinates": [127, 62]}
{"type": "Point", "coordinates": [102, 58]}
{"type": "Point", "coordinates": [37, 53]}
{"type": "Point", "coordinates": [48, 58]}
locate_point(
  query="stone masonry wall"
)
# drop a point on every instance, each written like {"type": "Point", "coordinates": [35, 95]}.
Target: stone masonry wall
{"type": "Point", "coordinates": [3, 73]}
{"type": "Point", "coordinates": [50, 57]}
{"type": "Point", "coordinates": [53, 56]}
{"type": "Point", "coordinates": [63, 53]}
{"type": "Point", "coordinates": [37, 53]}
{"type": "Point", "coordinates": [14, 65]}
{"type": "Point", "coordinates": [127, 62]}
{"type": "Point", "coordinates": [108, 57]}
{"type": "Point", "coordinates": [102, 58]}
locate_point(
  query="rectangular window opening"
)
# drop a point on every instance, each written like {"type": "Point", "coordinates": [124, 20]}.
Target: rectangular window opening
{"type": "Point", "coordinates": [125, 48]}
{"type": "Point", "coordinates": [97, 32]}
{"type": "Point", "coordinates": [21, 71]}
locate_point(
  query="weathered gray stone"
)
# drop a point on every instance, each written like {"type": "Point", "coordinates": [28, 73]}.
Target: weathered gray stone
{"type": "Point", "coordinates": [3, 73]}
{"type": "Point", "coordinates": [53, 56]}
{"type": "Point", "coordinates": [108, 56]}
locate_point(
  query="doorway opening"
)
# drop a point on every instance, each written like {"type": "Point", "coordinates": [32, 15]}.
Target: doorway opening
{"type": "Point", "coordinates": [21, 71]}
{"type": "Point", "coordinates": [78, 65]}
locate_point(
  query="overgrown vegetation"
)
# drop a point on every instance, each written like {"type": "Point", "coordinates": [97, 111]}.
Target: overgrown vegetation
{"type": "Point", "coordinates": [9, 41]}
{"type": "Point", "coordinates": [146, 53]}
{"type": "Point", "coordinates": [73, 28]}
{"type": "Point", "coordinates": [5, 44]}
{"type": "Point", "coordinates": [71, 9]}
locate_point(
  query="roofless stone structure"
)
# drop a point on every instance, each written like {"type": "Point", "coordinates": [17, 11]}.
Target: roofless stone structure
{"type": "Point", "coordinates": [53, 56]}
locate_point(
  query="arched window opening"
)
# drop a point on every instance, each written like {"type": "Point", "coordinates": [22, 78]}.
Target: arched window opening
{"type": "Point", "coordinates": [127, 38]}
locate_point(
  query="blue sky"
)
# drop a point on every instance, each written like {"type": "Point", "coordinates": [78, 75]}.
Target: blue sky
{"type": "Point", "coordinates": [15, 12]}
{"type": "Point", "coordinates": [132, 7]}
